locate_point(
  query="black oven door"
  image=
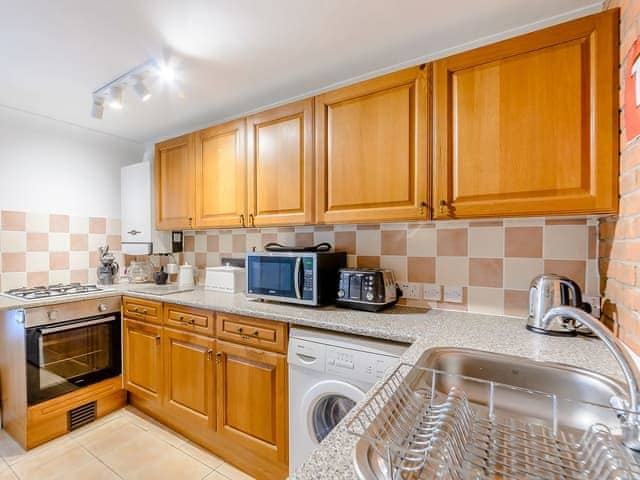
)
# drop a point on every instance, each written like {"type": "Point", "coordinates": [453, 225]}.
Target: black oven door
{"type": "Point", "coordinates": [66, 356]}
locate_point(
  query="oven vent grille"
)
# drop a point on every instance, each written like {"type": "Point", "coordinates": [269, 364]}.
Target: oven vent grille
{"type": "Point", "coordinates": [82, 415]}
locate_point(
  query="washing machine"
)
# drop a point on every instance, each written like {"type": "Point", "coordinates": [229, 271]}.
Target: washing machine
{"type": "Point", "coordinates": [328, 374]}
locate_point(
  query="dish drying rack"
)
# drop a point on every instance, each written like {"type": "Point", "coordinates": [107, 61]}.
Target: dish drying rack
{"type": "Point", "coordinates": [419, 433]}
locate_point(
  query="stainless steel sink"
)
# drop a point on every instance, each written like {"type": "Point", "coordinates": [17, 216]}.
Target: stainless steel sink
{"type": "Point", "coordinates": [580, 394]}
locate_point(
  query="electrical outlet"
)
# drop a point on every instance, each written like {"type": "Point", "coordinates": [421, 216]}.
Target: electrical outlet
{"type": "Point", "coordinates": [431, 291]}
{"type": "Point", "coordinates": [410, 290]}
{"type": "Point", "coordinates": [595, 305]}
{"type": "Point", "coordinates": [452, 294]}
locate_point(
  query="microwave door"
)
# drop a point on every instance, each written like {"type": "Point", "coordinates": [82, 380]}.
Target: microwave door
{"type": "Point", "coordinates": [275, 276]}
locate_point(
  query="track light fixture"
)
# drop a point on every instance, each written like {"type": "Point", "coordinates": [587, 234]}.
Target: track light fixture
{"type": "Point", "coordinates": [141, 89]}
{"type": "Point", "coordinates": [97, 108]}
{"type": "Point", "coordinates": [138, 78]}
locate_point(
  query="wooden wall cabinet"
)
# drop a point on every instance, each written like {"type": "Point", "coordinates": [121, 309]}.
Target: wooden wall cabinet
{"type": "Point", "coordinates": [252, 399]}
{"type": "Point", "coordinates": [528, 126]}
{"type": "Point", "coordinates": [189, 379]}
{"type": "Point", "coordinates": [220, 176]}
{"type": "Point", "coordinates": [174, 180]}
{"type": "Point", "coordinates": [280, 165]}
{"type": "Point", "coordinates": [143, 364]}
{"type": "Point", "coordinates": [372, 149]}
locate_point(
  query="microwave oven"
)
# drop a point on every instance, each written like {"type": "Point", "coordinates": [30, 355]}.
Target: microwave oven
{"type": "Point", "coordinates": [305, 278]}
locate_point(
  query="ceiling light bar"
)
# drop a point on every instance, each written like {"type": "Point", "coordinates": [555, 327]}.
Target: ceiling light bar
{"type": "Point", "coordinates": [111, 92]}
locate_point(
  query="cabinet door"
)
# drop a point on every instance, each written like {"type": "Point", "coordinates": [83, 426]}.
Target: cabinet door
{"type": "Point", "coordinates": [174, 180]}
{"type": "Point", "coordinates": [528, 125]}
{"type": "Point", "coordinates": [221, 176]}
{"type": "Point", "coordinates": [252, 399]}
{"type": "Point", "coordinates": [189, 380]}
{"type": "Point", "coordinates": [143, 360]}
{"type": "Point", "coordinates": [371, 146]}
{"type": "Point", "coordinates": [280, 165]}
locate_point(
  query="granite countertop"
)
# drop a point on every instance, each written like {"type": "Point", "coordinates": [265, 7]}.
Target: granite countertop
{"type": "Point", "coordinates": [422, 329]}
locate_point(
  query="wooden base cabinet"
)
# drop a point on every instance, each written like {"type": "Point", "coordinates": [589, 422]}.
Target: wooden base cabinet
{"type": "Point", "coordinates": [528, 126]}
{"type": "Point", "coordinates": [252, 399]}
{"type": "Point", "coordinates": [231, 398]}
{"type": "Point", "coordinates": [189, 379]}
{"type": "Point", "coordinates": [143, 360]}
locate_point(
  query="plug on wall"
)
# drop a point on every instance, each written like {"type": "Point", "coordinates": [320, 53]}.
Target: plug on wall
{"type": "Point", "coordinates": [452, 294]}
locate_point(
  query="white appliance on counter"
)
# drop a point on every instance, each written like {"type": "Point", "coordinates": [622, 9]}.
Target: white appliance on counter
{"type": "Point", "coordinates": [227, 278]}
{"type": "Point", "coordinates": [328, 374]}
{"type": "Point", "coordinates": [135, 185]}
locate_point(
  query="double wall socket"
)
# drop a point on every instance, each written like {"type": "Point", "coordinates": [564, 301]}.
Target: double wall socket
{"type": "Point", "coordinates": [431, 291]}
{"type": "Point", "coordinates": [410, 290]}
{"type": "Point", "coordinates": [452, 294]}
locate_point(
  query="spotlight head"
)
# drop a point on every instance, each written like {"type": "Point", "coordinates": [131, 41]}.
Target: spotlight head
{"type": "Point", "coordinates": [141, 89]}
{"type": "Point", "coordinates": [97, 109]}
{"type": "Point", "coordinates": [167, 73]}
{"type": "Point", "coordinates": [115, 97]}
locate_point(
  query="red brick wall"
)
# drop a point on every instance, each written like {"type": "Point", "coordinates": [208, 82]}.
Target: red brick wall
{"type": "Point", "coordinates": [619, 256]}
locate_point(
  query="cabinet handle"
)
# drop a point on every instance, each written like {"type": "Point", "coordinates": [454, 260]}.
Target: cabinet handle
{"type": "Point", "coordinates": [190, 222]}
{"type": "Point", "coordinates": [157, 338]}
{"type": "Point", "coordinates": [444, 208]}
{"type": "Point", "coordinates": [218, 357]}
{"type": "Point", "coordinates": [134, 232]}
{"type": "Point", "coordinates": [209, 354]}
{"type": "Point", "coordinates": [242, 220]}
{"type": "Point", "coordinates": [421, 210]}
{"type": "Point", "coordinates": [251, 220]}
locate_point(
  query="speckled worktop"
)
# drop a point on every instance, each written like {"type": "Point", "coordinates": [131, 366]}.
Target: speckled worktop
{"type": "Point", "coordinates": [423, 330]}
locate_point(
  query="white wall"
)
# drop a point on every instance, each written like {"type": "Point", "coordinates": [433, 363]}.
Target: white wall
{"type": "Point", "coordinates": [49, 166]}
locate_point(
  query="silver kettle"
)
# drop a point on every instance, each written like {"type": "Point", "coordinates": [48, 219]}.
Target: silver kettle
{"type": "Point", "coordinates": [547, 291]}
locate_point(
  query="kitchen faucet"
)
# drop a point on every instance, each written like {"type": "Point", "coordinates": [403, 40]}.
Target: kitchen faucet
{"type": "Point", "coordinates": [630, 422]}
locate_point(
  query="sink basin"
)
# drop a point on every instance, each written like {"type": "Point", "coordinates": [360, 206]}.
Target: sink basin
{"type": "Point", "coordinates": [580, 394]}
{"type": "Point", "coordinates": [566, 382]}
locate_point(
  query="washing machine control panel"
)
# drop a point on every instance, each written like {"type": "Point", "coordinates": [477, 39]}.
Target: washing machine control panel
{"type": "Point", "coordinates": [357, 365]}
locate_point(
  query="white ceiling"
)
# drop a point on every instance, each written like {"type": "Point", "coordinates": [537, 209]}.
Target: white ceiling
{"type": "Point", "coordinates": [234, 56]}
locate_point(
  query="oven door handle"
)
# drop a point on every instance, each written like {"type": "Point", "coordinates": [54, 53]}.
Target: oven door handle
{"type": "Point", "coordinates": [296, 277]}
{"type": "Point", "coordinates": [73, 326]}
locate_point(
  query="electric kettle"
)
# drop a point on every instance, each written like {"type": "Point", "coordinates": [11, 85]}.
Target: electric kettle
{"type": "Point", "coordinates": [547, 291]}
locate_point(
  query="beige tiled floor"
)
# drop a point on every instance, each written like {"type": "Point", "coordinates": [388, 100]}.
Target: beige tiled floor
{"type": "Point", "coordinates": [124, 445]}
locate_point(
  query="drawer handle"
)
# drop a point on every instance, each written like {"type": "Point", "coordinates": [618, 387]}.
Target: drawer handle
{"type": "Point", "coordinates": [144, 312]}
{"type": "Point", "coordinates": [239, 329]}
{"type": "Point", "coordinates": [256, 333]}
{"type": "Point", "coordinates": [135, 309]}
{"type": "Point", "coordinates": [192, 321]}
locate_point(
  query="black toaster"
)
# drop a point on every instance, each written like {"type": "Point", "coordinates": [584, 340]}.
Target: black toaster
{"type": "Point", "coordinates": [370, 289]}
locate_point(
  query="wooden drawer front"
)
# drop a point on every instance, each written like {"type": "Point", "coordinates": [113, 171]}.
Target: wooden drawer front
{"type": "Point", "coordinates": [253, 331]}
{"type": "Point", "coordinates": [189, 319]}
{"type": "Point", "coordinates": [140, 309]}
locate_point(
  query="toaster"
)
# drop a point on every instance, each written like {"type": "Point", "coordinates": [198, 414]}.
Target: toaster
{"type": "Point", "coordinates": [370, 289]}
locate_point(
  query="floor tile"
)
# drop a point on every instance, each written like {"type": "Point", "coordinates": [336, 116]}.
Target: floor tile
{"type": "Point", "coordinates": [105, 438]}
{"type": "Point", "coordinates": [151, 425]}
{"type": "Point", "coordinates": [13, 453]}
{"type": "Point", "coordinates": [55, 463]}
{"type": "Point", "coordinates": [202, 455]}
{"type": "Point", "coordinates": [148, 457]}
{"type": "Point", "coordinates": [96, 424]}
{"type": "Point", "coordinates": [214, 476]}
{"type": "Point", "coordinates": [8, 475]}
{"type": "Point", "coordinates": [232, 473]}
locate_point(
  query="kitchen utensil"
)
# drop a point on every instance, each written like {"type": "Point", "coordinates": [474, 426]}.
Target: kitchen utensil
{"type": "Point", "coordinates": [370, 289]}
{"type": "Point", "coordinates": [108, 267]}
{"type": "Point", "coordinates": [160, 277]}
{"type": "Point", "coordinates": [547, 291]}
{"type": "Point", "coordinates": [140, 272]}
{"type": "Point", "coordinates": [226, 278]}
{"type": "Point", "coordinates": [186, 275]}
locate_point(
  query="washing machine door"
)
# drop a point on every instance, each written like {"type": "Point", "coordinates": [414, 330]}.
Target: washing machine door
{"type": "Point", "coordinates": [326, 404]}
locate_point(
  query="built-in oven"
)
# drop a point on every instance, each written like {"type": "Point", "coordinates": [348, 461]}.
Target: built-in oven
{"type": "Point", "coordinates": [66, 355]}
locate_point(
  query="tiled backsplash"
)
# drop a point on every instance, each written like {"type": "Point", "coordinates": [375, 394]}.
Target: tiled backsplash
{"type": "Point", "coordinates": [493, 260]}
{"type": "Point", "coordinates": [40, 249]}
